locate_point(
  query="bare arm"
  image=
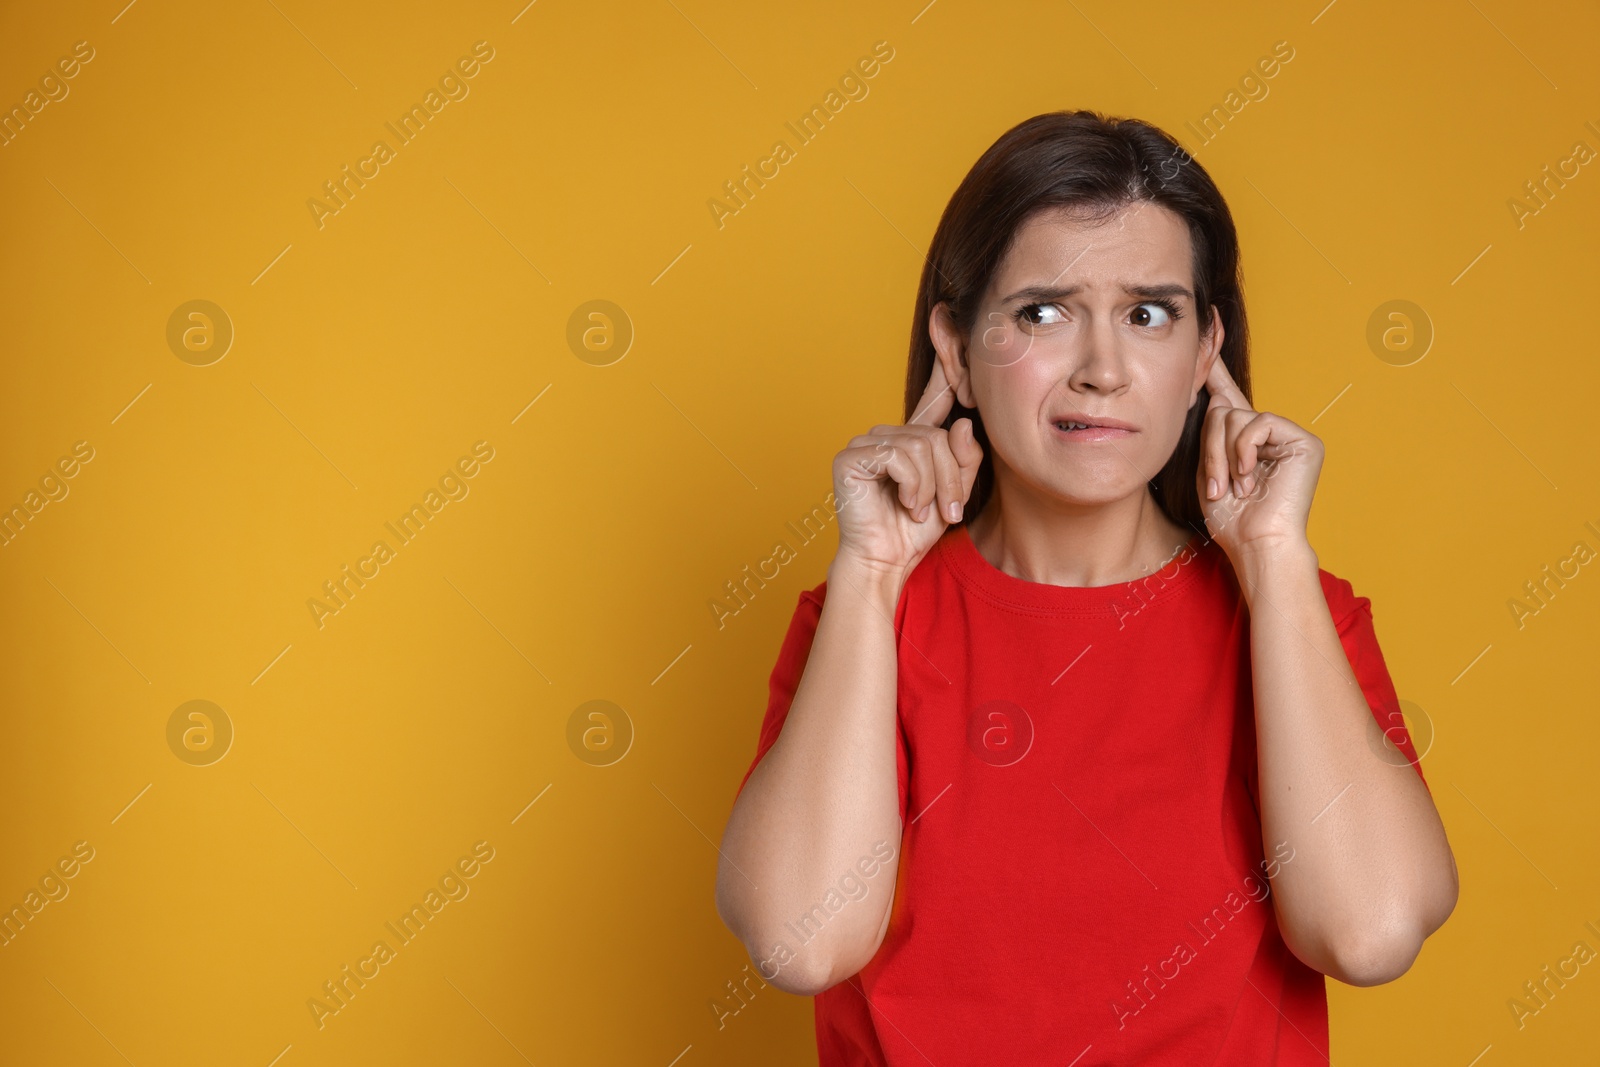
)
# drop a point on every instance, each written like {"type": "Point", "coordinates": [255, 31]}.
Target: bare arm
{"type": "Point", "coordinates": [820, 814]}
{"type": "Point", "coordinates": [823, 795]}
{"type": "Point", "coordinates": [1372, 874]}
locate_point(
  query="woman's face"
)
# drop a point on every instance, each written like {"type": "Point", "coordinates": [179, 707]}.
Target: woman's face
{"type": "Point", "coordinates": [1085, 322]}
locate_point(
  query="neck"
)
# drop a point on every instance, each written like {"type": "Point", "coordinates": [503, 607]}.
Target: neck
{"type": "Point", "coordinates": [1053, 542]}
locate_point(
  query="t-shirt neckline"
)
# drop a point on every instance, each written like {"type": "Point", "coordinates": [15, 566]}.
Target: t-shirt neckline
{"type": "Point", "coordinates": [983, 577]}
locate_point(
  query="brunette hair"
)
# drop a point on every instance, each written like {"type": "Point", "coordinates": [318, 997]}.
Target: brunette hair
{"type": "Point", "coordinates": [1092, 164]}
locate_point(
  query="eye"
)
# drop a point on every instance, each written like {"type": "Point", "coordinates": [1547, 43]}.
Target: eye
{"type": "Point", "coordinates": [1163, 312]}
{"type": "Point", "coordinates": [1034, 314]}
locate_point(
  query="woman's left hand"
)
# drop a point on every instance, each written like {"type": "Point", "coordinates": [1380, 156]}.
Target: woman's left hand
{"type": "Point", "coordinates": [1257, 473]}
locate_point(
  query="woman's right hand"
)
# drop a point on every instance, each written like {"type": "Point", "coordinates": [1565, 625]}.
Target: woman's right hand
{"type": "Point", "coordinates": [897, 485]}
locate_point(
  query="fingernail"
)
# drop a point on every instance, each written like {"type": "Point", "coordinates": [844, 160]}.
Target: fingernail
{"type": "Point", "coordinates": [955, 511]}
{"type": "Point", "coordinates": [922, 512]}
{"type": "Point", "coordinates": [1211, 489]}
{"type": "Point", "coordinates": [1236, 490]}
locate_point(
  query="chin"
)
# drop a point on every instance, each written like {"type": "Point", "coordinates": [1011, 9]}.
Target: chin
{"type": "Point", "coordinates": [1088, 493]}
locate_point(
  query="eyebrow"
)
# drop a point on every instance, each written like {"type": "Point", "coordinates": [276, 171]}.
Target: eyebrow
{"type": "Point", "coordinates": [1047, 292]}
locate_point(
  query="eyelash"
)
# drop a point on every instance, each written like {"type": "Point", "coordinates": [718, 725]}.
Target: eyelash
{"type": "Point", "coordinates": [1170, 307]}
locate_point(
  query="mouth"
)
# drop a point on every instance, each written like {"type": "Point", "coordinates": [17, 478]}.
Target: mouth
{"type": "Point", "coordinates": [1086, 428]}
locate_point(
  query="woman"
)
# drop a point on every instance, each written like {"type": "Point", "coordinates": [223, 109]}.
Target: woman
{"type": "Point", "coordinates": [1078, 756]}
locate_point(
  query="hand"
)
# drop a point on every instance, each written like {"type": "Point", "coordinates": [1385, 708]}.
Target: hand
{"type": "Point", "coordinates": [1258, 472]}
{"type": "Point", "coordinates": [896, 485]}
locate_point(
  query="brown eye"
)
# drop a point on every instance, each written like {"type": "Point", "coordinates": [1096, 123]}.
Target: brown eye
{"type": "Point", "coordinates": [1159, 314]}
{"type": "Point", "coordinates": [1033, 314]}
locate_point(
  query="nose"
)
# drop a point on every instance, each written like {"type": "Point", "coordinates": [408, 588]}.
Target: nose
{"type": "Point", "coordinates": [1099, 365]}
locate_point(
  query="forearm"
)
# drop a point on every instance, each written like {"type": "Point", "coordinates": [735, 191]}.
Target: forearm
{"type": "Point", "coordinates": [824, 794]}
{"type": "Point", "coordinates": [1372, 874]}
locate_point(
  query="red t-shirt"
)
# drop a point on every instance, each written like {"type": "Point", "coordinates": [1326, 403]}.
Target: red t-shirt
{"type": "Point", "coordinates": [1082, 878]}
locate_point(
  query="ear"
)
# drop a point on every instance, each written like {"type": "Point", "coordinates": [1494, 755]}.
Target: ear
{"type": "Point", "coordinates": [1210, 352]}
{"type": "Point", "coordinates": [950, 348]}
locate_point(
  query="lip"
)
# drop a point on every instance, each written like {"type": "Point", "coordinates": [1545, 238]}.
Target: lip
{"type": "Point", "coordinates": [1100, 428]}
{"type": "Point", "coordinates": [1093, 433]}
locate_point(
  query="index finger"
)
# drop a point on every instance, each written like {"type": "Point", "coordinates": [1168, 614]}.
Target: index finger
{"type": "Point", "coordinates": [936, 400]}
{"type": "Point", "coordinates": [1221, 385]}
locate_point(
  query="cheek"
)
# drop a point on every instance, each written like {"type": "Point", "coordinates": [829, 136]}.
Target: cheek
{"type": "Point", "coordinates": [1166, 386]}
{"type": "Point", "coordinates": [1001, 344]}
{"type": "Point", "coordinates": [1167, 390]}
{"type": "Point", "coordinates": [1011, 397]}
{"type": "Point", "coordinates": [1012, 400]}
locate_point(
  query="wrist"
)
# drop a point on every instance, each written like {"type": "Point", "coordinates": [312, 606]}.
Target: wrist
{"type": "Point", "coordinates": [1268, 562]}
{"type": "Point", "coordinates": [878, 582]}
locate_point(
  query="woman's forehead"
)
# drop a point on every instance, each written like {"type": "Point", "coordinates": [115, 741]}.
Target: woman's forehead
{"type": "Point", "coordinates": [1140, 244]}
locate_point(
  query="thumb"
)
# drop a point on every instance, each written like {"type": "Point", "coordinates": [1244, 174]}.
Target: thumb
{"type": "Point", "coordinates": [964, 446]}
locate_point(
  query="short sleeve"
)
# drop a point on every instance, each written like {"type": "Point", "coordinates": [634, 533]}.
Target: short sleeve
{"type": "Point", "coordinates": [785, 678]}
{"type": "Point", "coordinates": [1352, 618]}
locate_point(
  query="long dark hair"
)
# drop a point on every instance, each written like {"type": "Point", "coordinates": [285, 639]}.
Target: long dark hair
{"type": "Point", "coordinates": [1087, 162]}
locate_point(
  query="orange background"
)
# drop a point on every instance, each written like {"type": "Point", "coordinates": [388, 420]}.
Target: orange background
{"type": "Point", "coordinates": [370, 353]}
